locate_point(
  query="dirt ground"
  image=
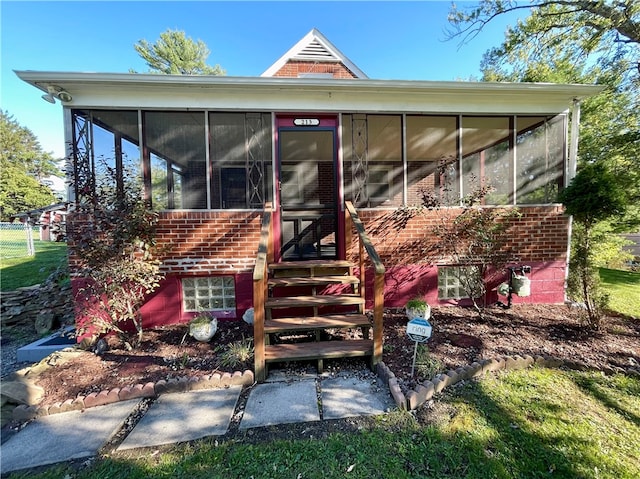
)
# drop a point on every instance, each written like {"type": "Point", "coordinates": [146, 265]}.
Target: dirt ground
{"type": "Point", "coordinates": [459, 337]}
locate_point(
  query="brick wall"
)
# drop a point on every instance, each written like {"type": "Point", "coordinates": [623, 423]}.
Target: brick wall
{"type": "Point", "coordinates": [402, 238]}
{"type": "Point", "coordinates": [208, 242]}
{"type": "Point", "coordinates": [295, 67]}
{"type": "Point", "coordinates": [225, 243]}
{"type": "Point", "coordinates": [197, 243]}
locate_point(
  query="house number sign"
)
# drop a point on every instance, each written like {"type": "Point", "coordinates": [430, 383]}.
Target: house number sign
{"type": "Point", "coordinates": [306, 122]}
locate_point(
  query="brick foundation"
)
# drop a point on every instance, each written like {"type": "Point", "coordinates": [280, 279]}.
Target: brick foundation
{"type": "Point", "coordinates": [209, 243]}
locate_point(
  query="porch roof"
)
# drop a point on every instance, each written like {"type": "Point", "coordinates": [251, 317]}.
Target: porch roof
{"type": "Point", "coordinates": [128, 90]}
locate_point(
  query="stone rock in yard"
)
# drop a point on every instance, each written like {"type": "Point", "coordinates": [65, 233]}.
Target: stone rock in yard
{"type": "Point", "coordinates": [22, 392]}
{"type": "Point", "coordinates": [14, 310]}
{"type": "Point", "coordinates": [44, 322]}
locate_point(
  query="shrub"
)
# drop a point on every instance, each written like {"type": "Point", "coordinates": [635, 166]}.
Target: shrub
{"type": "Point", "coordinates": [113, 234]}
{"type": "Point", "coordinates": [473, 237]}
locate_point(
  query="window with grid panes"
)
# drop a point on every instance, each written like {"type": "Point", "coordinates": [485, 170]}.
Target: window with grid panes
{"type": "Point", "coordinates": [451, 278]}
{"type": "Point", "coordinates": [213, 293]}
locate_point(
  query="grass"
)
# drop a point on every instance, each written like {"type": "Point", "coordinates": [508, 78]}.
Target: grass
{"type": "Point", "coordinates": [624, 290]}
{"type": "Point", "coordinates": [30, 270]}
{"type": "Point", "coordinates": [528, 423]}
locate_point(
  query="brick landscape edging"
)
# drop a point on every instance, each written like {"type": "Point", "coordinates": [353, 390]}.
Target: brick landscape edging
{"type": "Point", "coordinates": [412, 400]}
{"type": "Point", "coordinates": [150, 389]}
{"type": "Point", "coordinates": [425, 391]}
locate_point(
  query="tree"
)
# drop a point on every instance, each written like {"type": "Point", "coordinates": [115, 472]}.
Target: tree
{"type": "Point", "coordinates": [23, 166]}
{"type": "Point", "coordinates": [593, 196]}
{"type": "Point", "coordinates": [176, 54]}
{"type": "Point", "coordinates": [474, 238]}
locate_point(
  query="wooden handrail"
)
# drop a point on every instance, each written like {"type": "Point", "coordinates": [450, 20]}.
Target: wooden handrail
{"type": "Point", "coordinates": [364, 238]}
{"type": "Point", "coordinates": [365, 245]}
{"type": "Point", "coordinates": [264, 246]}
{"type": "Point", "coordinates": [260, 277]}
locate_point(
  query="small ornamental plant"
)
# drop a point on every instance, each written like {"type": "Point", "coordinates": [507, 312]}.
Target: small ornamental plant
{"type": "Point", "coordinates": [417, 308]}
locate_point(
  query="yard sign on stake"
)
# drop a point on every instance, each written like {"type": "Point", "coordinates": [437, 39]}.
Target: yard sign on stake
{"type": "Point", "coordinates": [419, 330]}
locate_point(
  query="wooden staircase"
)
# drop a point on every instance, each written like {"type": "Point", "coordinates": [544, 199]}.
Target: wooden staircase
{"type": "Point", "coordinates": [298, 303]}
{"type": "Point", "coordinates": [317, 312]}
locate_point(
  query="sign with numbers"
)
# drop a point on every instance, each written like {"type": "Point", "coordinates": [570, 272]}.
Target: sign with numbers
{"type": "Point", "coordinates": [419, 330]}
{"type": "Point", "coordinates": [306, 122]}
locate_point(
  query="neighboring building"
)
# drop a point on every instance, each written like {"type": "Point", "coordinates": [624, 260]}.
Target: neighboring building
{"type": "Point", "coordinates": [309, 134]}
{"type": "Point", "coordinates": [51, 221]}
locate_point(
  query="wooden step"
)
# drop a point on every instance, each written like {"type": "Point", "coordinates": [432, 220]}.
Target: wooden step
{"type": "Point", "coordinates": [342, 321]}
{"type": "Point", "coordinates": [311, 264]}
{"type": "Point", "coordinates": [321, 300]}
{"type": "Point", "coordinates": [310, 268]}
{"type": "Point", "coordinates": [318, 350]}
{"type": "Point", "coordinates": [313, 280]}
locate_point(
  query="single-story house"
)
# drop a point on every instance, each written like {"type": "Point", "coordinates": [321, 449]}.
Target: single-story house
{"type": "Point", "coordinates": [309, 135]}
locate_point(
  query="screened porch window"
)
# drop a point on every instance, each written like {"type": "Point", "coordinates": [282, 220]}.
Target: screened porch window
{"type": "Point", "coordinates": [373, 159]}
{"type": "Point", "coordinates": [240, 150]}
{"type": "Point", "coordinates": [519, 159]}
{"type": "Point", "coordinates": [176, 145]}
{"type": "Point", "coordinates": [432, 158]}
{"type": "Point", "coordinates": [486, 158]}
{"type": "Point", "coordinates": [107, 149]}
{"type": "Point", "coordinates": [540, 156]}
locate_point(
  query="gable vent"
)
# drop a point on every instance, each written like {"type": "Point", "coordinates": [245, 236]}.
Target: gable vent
{"type": "Point", "coordinates": [315, 51]}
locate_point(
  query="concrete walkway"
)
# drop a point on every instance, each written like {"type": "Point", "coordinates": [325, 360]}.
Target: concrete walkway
{"type": "Point", "coordinates": [179, 417]}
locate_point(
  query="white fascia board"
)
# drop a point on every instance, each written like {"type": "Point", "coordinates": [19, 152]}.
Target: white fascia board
{"type": "Point", "coordinates": [120, 90]}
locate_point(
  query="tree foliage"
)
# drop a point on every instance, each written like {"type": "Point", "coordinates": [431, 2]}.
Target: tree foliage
{"type": "Point", "coordinates": [608, 30]}
{"type": "Point", "coordinates": [23, 166]}
{"type": "Point", "coordinates": [176, 54]}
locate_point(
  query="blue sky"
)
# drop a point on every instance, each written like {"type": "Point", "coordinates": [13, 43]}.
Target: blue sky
{"type": "Point", "coordinates": [387, 40]}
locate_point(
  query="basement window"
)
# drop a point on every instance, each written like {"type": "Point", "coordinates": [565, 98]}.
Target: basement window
{"type": "Point", "coordinates": [212, 293]}
{"type": "Point", "coordinates": [451, 281]}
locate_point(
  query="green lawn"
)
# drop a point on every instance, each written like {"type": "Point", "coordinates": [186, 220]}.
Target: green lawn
{"type": "Point", "coordinates": [29, 270]}
{"type": "Point", "coordinates": [527, 424]}
{"type": "Point", "coordinates": [624, 290]}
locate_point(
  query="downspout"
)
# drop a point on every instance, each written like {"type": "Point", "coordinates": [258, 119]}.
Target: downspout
{"type": "Point", "coordinates": [69, 156]}
{"type": "Point", "coordinates": [572, 167]}
{"type": "Point", "coordinates": [573, 148]}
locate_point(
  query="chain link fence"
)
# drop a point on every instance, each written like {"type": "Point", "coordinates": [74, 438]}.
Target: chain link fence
{"type": "Point", "coordinates": [16, 240]}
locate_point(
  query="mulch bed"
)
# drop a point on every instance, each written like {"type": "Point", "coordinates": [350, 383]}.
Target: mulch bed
{"type": "Point", "coordinates": [459, 338]}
